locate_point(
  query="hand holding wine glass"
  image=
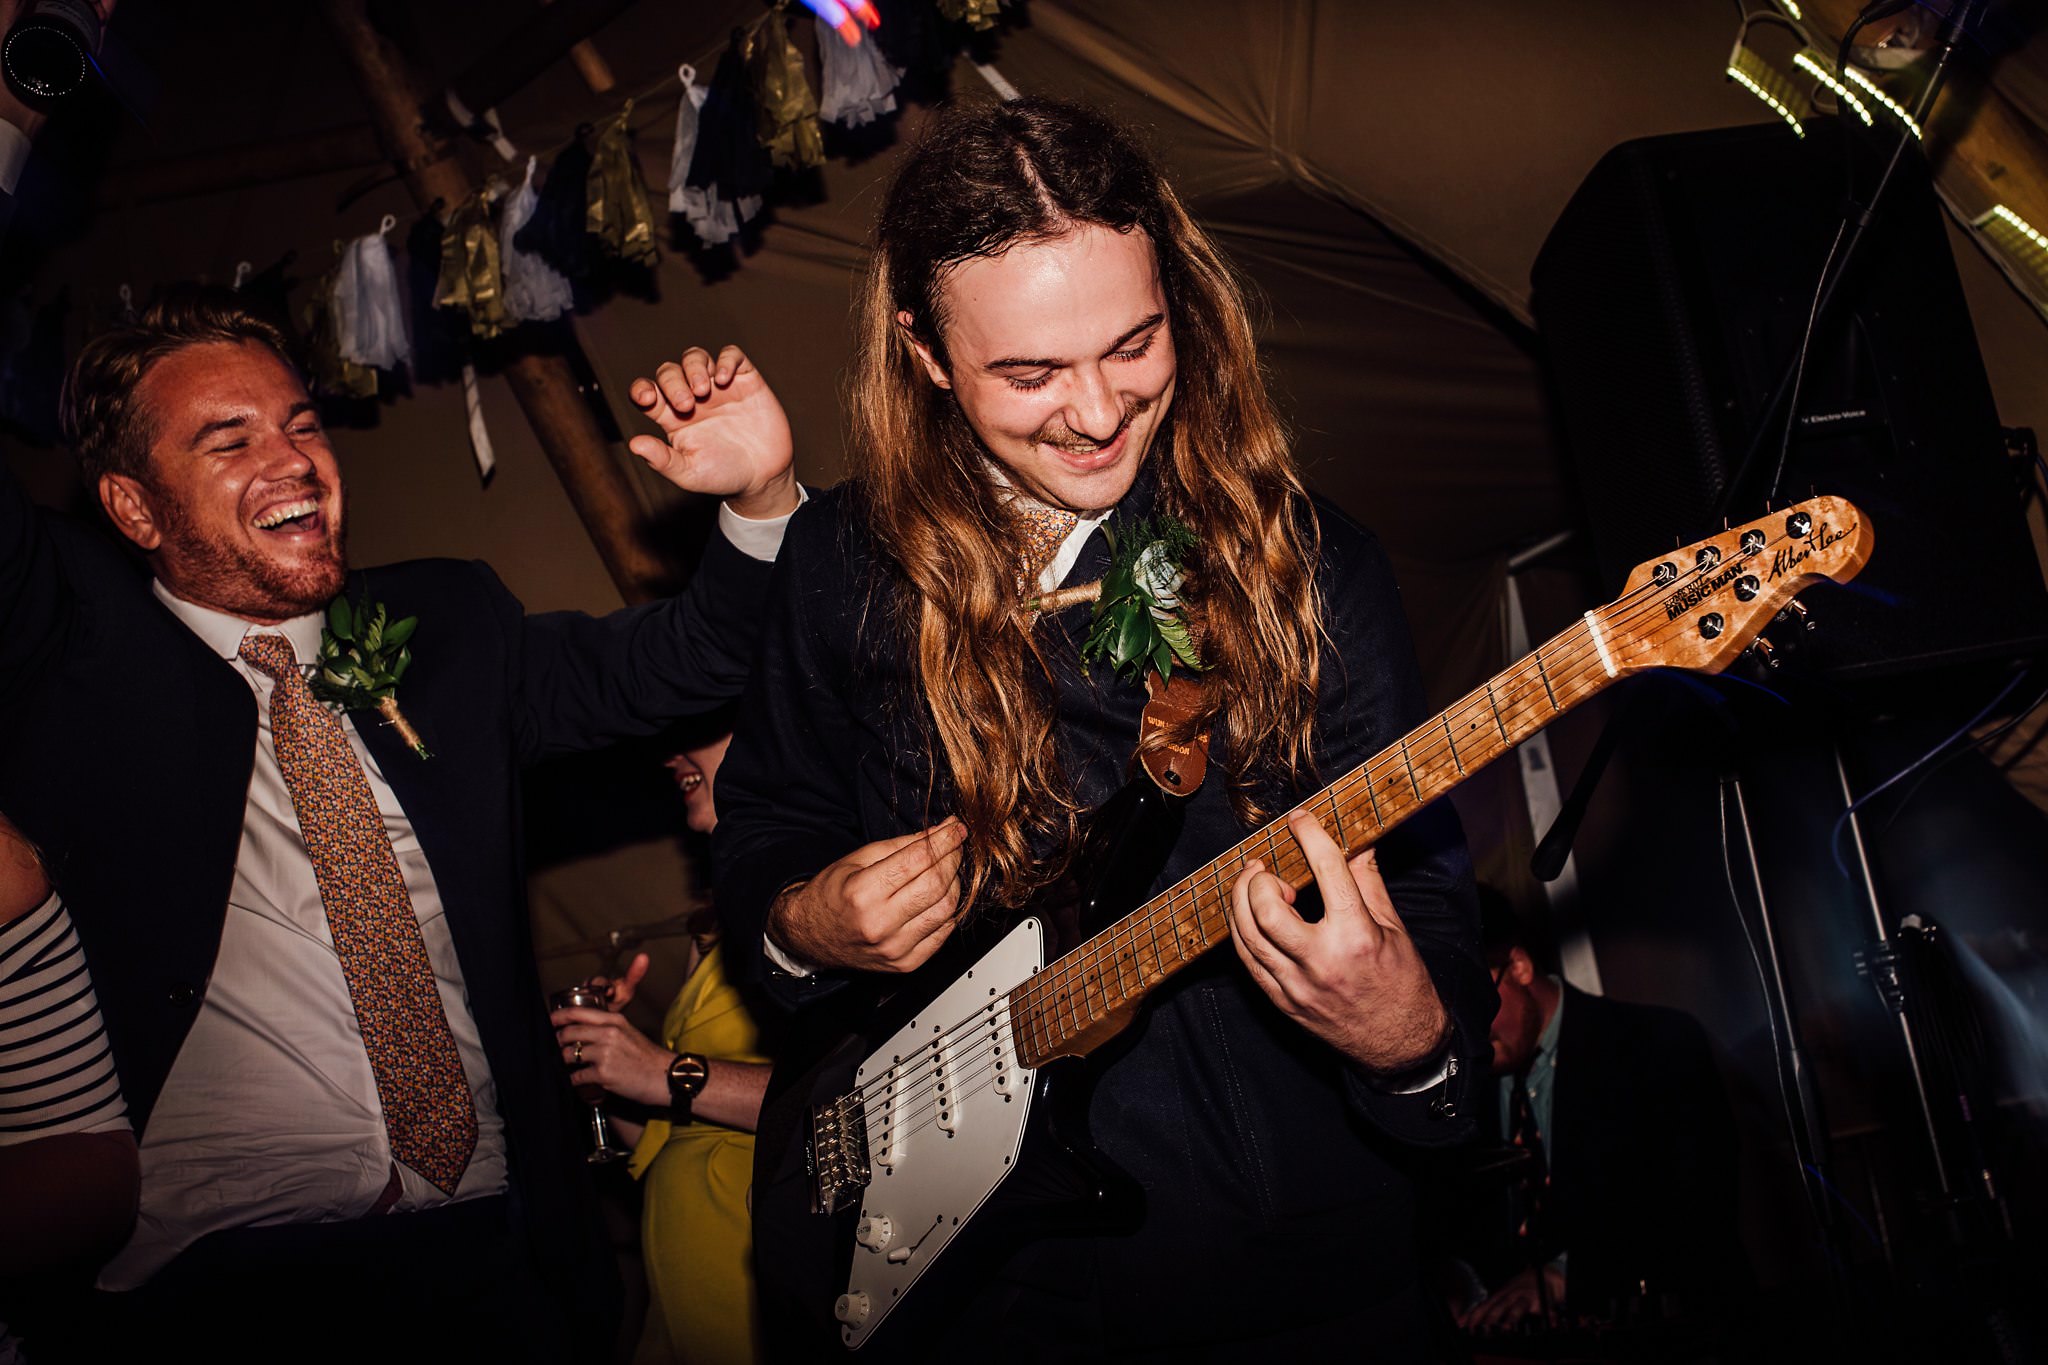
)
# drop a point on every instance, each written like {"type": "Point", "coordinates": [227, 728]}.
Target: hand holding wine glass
{"type": "Point", "coordinates": [589, 1088]}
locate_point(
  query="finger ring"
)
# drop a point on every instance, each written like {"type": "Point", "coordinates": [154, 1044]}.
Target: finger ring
{"type": "Point", "coordinates": [579, 1052]}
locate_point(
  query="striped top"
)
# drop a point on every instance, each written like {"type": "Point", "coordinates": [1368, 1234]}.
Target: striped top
{"type": "Point", "coordinates": [56, 1072]}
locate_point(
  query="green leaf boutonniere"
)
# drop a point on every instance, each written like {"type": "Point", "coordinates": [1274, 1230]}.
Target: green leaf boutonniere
{"type": "Point", "coordinates": [363, 654]}
{"type": "Point", "coordinates": [1140, 621]}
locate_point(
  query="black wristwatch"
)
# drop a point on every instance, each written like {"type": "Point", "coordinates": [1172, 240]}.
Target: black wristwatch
{"type": "Point", "coordinates": [687, 1075]}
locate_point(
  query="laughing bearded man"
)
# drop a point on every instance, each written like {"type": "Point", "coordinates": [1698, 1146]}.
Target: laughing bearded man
{"type": "Point", "coordinates": [310, 941]}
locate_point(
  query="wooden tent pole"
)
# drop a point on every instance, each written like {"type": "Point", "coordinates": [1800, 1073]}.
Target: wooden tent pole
{"type": "Point", "coordinates": [543, 384]}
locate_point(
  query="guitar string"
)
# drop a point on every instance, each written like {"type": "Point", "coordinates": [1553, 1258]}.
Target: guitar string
{"type": "Point", "coordinates": [1055, 986]}
{"type": "Point", "coordinates": [982, 1068]}
{"type": "Point", "coordinates": [974, 1085]}
{"type": "Point", "coordinates": [924, 1081]}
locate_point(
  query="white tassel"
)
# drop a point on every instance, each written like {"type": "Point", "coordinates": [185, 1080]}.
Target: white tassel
{"type": "Point", "coordinates": [479, 434]}
{"type": "Point", "coordinates": [858, 83]}
{"type": "Point", "coordinates": [534, 290]}
{"type": "Point", "coordinates": [686, 137]}
{"type": "Point", "coordinates": [368, 304]}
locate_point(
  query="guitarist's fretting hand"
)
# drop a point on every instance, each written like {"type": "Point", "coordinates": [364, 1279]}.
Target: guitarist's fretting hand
{"type": "Point", "coordinates": [1353, 978]}
{"type": "Point", "coordinates": [885, 907]}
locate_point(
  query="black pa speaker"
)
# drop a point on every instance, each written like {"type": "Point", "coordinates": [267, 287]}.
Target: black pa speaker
{"type": "Point", "coordinates": [1670, 298]}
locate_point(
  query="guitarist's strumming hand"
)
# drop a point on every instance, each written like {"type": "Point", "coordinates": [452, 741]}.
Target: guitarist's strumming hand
{"type": "Point", "coordinates": [885, 907]}
{"type": "Point", "coordinates": [1354, 978]}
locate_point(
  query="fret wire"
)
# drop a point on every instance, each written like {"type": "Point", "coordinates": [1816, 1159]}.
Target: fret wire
{"type": "Point", "coordinates": [1410, 763]}
{"type": "Point", "coordinates": [1490, 701]}
{"type": "Point", "coordinates": [1349, 781]}
{"type": "Point", "coordinates": [1544, 674]}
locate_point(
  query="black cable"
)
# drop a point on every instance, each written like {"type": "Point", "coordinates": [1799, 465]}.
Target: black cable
{"type": "Point", "coordinates": [1794, 1124]}
{"type": "Point", "coordinates": [1982, 741]}
{"type": "Point", "coordinates": [1842, 820]}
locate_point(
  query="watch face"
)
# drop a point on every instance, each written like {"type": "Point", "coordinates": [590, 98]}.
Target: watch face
{"type": "Point", "coordinates": [688, 1073]}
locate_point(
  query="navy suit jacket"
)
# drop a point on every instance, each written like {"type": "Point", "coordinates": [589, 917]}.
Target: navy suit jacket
{"type": "Point", "coordinates": [1275, 1195]}
{"type": "Point", "coordinates": [126, 747]}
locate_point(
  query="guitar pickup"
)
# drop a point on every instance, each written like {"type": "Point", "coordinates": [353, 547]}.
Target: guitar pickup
{"type": "Point", "coordinates": [1002, 1055]}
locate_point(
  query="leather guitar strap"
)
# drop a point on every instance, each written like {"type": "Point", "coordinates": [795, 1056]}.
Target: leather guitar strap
{"type": "Point", "coordinates": [1178, 769]}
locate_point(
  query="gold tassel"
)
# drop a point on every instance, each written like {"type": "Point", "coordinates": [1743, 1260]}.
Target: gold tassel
{"type": "Point", "coordinates": [471, 278]}
{"type": "Point", "coordinates": [976, 14]}
{"type": "Point", "coordinates": [615, 203]}
{"type": "Point", "coordinates": [787, 106]}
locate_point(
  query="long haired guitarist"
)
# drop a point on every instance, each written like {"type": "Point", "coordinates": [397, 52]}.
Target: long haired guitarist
{"type": "Point", "coordinates": [1057, 384]}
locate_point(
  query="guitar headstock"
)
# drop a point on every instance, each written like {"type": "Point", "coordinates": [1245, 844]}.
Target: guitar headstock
{"type": "Point", "coordinates": [1701, 606]}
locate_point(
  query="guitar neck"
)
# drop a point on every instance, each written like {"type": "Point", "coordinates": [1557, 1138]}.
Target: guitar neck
{"type": "Point", "coordinates": [1081, 1000]}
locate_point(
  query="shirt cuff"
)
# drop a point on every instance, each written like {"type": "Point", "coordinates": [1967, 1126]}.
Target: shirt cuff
{"type": "Point", "coordinates": [757, 539]}
{"type": "Point", "coordinates": [14, 149]}
{"type": "Point", "coordinates": [1433, 1071]}
{"type": "Point", "coordinates": [776, 957]}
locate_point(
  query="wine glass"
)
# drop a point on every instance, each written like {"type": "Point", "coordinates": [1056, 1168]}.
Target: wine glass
{"type": "Point", "coordinates": [602, 1147]}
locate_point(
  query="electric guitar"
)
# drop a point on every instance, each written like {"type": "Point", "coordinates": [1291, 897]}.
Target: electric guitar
{"type": "Point", "coordinates": [900, 1159]}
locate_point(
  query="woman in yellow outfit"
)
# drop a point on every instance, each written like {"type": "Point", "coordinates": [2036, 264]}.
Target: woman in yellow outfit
{"type": "Point", "coordinates": [707, 1071]}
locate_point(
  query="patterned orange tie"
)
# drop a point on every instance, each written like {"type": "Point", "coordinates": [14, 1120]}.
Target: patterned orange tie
{"type": "Point", "coordinates": [1045, 530]}
{"type": "Point", "coordinates": [426, 1100]}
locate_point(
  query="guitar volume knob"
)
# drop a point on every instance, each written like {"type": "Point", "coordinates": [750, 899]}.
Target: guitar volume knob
{"type": "Point", "coordinates": [874, 1231]}
{"type": "Point", "coordinates": [851, 1309]}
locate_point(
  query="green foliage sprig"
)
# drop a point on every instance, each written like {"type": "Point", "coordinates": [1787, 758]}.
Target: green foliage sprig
{"type": "Point", "coordinates": [363, 655]}
{"type": "Point", "coordinates": [1140, 621]}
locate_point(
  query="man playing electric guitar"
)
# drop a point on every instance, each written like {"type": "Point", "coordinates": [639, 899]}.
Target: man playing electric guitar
{"type": "Point", "coordinates": [1053, 357]}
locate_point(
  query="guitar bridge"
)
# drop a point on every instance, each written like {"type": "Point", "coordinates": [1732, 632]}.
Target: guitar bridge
{"type": "Point", "coordinates": [838, 1153]}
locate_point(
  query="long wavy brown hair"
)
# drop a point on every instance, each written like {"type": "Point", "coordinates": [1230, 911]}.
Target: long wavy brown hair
{"type": "Point", "coordinates": [981, 180]}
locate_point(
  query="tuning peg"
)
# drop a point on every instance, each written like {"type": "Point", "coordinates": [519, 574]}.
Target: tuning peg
{"type": "Point", "coordinates": [1764, 654]}
{"type": "Point", "coordinates": [1795, 611]}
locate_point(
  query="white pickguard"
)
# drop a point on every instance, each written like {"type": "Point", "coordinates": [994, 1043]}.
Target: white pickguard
{"type": "Point", "coordinates": [942, 1133]}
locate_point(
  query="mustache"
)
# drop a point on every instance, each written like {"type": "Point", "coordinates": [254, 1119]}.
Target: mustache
{"type": "Point", "coordinates": [1059, 434]}
{"type": "Point", "coordinates": [311, 486]}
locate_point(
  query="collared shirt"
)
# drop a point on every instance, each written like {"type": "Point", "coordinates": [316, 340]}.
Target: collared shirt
{"type": "Point", "coordinates": [270, 1113]}
{"type": "Point", "coordinates": [1540, 1081]}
